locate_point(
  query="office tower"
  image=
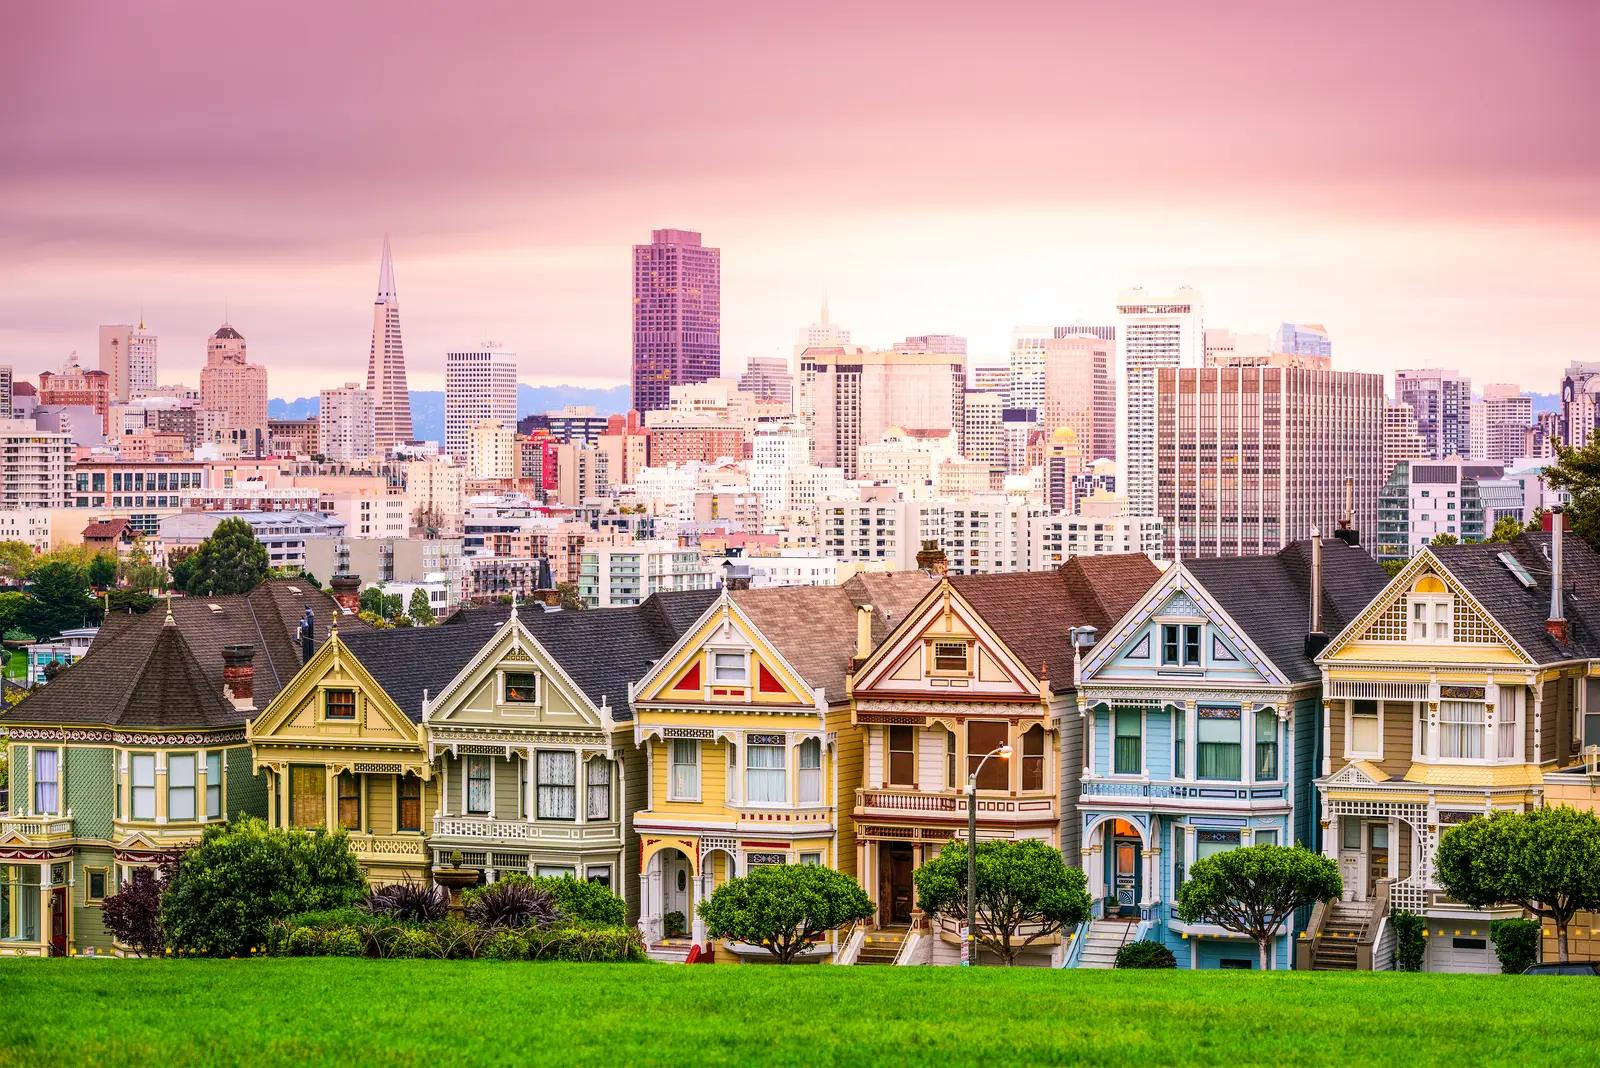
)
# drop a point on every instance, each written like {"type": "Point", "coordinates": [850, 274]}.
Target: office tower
{"type": "Point", "coordinates": [941, 344]}
{"type": "Point", "coordinates": [1026, 386]}
{"type": "Point", "coordinates": [1079, 392]}
{"type": "Point", "coordinates": [1226, 346]}
{"type": "Point", "coordinates": [1499, 424]}
{"type": "Point", "coordinates": [677, 315]}
{"type": "Point", "coordinates": [1104, 333]}
{"type": "Point", "coordinates": [234, 390]}
{"type": "Point", "coordinates": [1303, 339]}
{"type": "Point", "coordinates": [990, 378]}
{"type": "Point", "coordinates": [767, 378]}
{"type": "Point", "coordinates": [480, 382]}
{"type": "Point", "coordinates": [1153, 331]}
{"type": "Point", "coordinates": [822, 333]}
{"type": "Point", "coordinates": [346, 423]}
{"type": "Point", "coordinates": [1250, 458]}
{"type": "Point", "coordinates": [386, 363]}
{"type": "Point", "coordinates": [1442, 400]}
{"type": "Point", "coordinates": [1400, 438]}
{"type": "Point", "coordinates": [5, 392]}
{"type": "Point", "coordinates": [128, 356]}
{"type": "Point", "coordinates": [492, 450]}
{"type": "Point", "coordinates": [983, 437]}
{"type": "Point", "coordinates": [35, 467]}
{"type": "Point", "coordinates": [857, 394]}
{"type": "Point", "coordinates": [1017, 428]}
{"type": "Point", "coordinates": [1063, 460]}
{"type": "Point", "coordinates": [1580, 403]}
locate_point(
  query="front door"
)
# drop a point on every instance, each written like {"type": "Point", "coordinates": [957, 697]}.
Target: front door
{"type": "Point", "coordinates": [1377, 856]}
{"type": "Point", "coordinates": [895, 893]}
{"type": "Point", "coordinates": [58, 922]}
{"type": "Point", "coordinates": [1125, 877]}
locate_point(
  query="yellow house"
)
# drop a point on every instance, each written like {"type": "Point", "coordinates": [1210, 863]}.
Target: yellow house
{"type": "Point", "coordinates": [745, 727]}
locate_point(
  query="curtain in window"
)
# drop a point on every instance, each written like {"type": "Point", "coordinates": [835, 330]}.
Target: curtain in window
{"type": "Point", "coordinates": [478, 785]}
{"type": "Point", "coordinates": [765, 774]}
{"type": "Point", "coordinates": [1180, 742]}
{"type": "Point", "coordinates": [984, 738]}
{"type": "Point", "coordinates": [1127, 756]}
{"type": "Point", "coordinates": [810, 763]}
{"type": "Point", "coordinates": [1216, 737]}
{"type": "Point", "coordinates": [558, 780]}
{"type": "Point", "coordinates": [599, 780]}
{"type": "Point", "coordinates": [349, 801]}
{"type": "Point", "coordinates": [1266, 745]}
{"type": "Point", "coordinates": [1033, 758]}
{"type": "Point", "coordinates": [1461, 725]}
{"type": "Point", "coordinates": [1507, 725]}
{"type": "Point", "coordinates": [46, 794]}
{"type": "Point", "coordinates": [180, 787]}
{"type": "Point", "coordinates": [685, 768]}
{"type": "Point", "coordinates": [308, 797]}
{"type": "Point", "coordinates": [409, 817]}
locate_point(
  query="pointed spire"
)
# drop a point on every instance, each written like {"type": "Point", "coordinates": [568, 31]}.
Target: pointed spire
{"type": "Point", "coordinates": [386, 276]}
{"type": "Point", "coordinates": [513, 604]}
{"type": "Point", "coordinates": [169, 621]}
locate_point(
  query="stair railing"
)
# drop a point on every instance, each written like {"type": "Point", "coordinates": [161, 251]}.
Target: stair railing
{"type": "Point", "coordinates": [1305, 950]}
{"type": "Point", "coordinates": [1374, 925]}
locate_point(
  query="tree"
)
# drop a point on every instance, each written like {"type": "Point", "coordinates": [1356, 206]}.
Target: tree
{"type": "Point", "coordinates": [419, 610]}
{"type": "Point", "coordinates": [232, 560]}
{"type": "Point", "coordinates": [1025, 892]}
{"type": "Point", "coordinates": [137, 572]}
{"type": "Point", "coordinates": [11, 607]}
{"type": "Point", "coordinates": [58, 599]}
{"type": "Point", "coordinates": [181, 562]}
{"type": "Point", "coordinates": [102, 571]}
{"type": "Point", "coordinates": [16, 560]}
{"type": "Point", "coordinates": [784, 907]}
{"type": "Point", "coordinates": [133, 913]}
{"type": "Point", "coordinates": [1506, 528]}
{"type": "Point", "coordinates": [1255, 890]}
{"type": "Point", "coordinates": [570, 599]}
{"type": "Point", "coordinates": [1392, 567]}
{"type": "Point", "coordinates": [1546, 860]}
{"type": "Point", "coordinates": [1578, 472]}
{"type": "Point", "coordinates": [1444, 539]}
{"type": "Point", "coordinates": [386, 606]}
{"type": "Point", "coordinates": [227, 890]}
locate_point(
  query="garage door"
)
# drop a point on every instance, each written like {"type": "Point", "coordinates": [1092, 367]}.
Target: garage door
{"type": "Point", "coordinates": [1463, 954]}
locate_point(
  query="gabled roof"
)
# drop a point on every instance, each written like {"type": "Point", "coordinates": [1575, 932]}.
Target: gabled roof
{"type": "Point", "coordinates": [1269, 597]}
{"type": "Point", "coordinates": [1033, 611]}
{"type": "Point", "coordinates": [106, 530]}
{"type": "Point", "coordinates": [411, 661]}
{"type": "Point", "coordinates": [1521, 610]}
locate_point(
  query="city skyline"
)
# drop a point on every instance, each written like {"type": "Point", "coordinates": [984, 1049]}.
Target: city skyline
{"type": "Point", "coordinates": [1398, 210]}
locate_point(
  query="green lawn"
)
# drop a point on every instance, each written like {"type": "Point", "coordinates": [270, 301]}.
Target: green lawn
{"type": "Point", "coordinates": [344, 1012]}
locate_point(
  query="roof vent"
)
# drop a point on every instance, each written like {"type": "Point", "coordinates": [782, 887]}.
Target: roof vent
{"type": "Point", "coordinates": [1513, 565]}
{"type": "Point", "coordinates": [214, 607]}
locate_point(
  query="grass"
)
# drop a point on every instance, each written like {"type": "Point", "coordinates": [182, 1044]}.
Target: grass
{"type": "Point", "coordinates": [321, 1011]}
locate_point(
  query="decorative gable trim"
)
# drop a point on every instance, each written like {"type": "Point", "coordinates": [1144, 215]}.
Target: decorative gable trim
{"type": "Point", "coordinates": [722, 623]}
{"type": "Point", "coordinates": [511, 643]}
{"type": "Point", "coordinates": [905, 645]}
{"type": "Point", "coordinates": [1357, 773]}
{"type": "Point", "coordinates": [332, 651]}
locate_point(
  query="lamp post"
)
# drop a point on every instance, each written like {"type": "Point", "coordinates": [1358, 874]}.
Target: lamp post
{"type": "Point", "coordinates": [968, 942]}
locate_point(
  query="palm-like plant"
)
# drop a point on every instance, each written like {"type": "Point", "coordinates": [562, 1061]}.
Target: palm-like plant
{"type": "Point", "coordinates": [513, 904]}
{"type": "Point", "coordinates": [412, 901]}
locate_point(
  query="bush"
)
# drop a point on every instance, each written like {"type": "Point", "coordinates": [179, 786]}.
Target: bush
{"type": "Point", "coordinates": [413, 901]}
{"type": "Point", "coordinates": [585, 944]}
{"type": "Point", "coordinates": [227, 891]}
{"type": "Point", "coordinates": [343, 942]}
{"type": "Point", "coordinates": [579, 901]}
{"type": "Point", "coordinates": [133, 913]}
{"type": "Point", "coordinates": [1409, 944]}
{"type": "Point", "coordinates": [506, 945]}
{"type": "Point", "coordinates": [512, 903]}
{"type": "Point", "coordinates": [305, 942]}
{"type": "Point", "coordinates": [1145, 954]}
{"type": "Point", "coordinates": [673, 925]}
{"type": "Point", "coordinates": [784, 908]}
{"type": "Point", "coordinates": [415, 942]}
{"type": "Point", "coordinates": [1516, 943]}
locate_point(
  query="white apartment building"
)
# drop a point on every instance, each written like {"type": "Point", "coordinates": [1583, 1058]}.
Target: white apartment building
{"type": "Point", "coordinates": [284, 534]}
{"type": "Point", "coordinates": [480, 382]}
{"type": "Point", "coordinates": [367, 514]}
{"type": "Point", "coordinates": [982, 534]}
{"type": "Point", "coordinates": [31, 526]}
{"type": "Point", "coordinates": [492, 450]}
{"type": "Point", "coordinates": [1026, 387]}
{"type": "Point", "coordinates": [435, 495]}
{"type": "Point", "coordinates": [1499, 424]}
{"type": "Point", "coordinates": [906, 458]}
{"type": "Point", "coordinates": [1153, 331]}
{"type": "Point", "coordinates": [345, 427]}
{"type": "Point", "coordinates": [858, 394]}
{"type": "Point", "coordinates": [611, 575]}
{"type": "Point", "coordinates": [35, 466]}
{"type": "Point", "coordinates": [789, 567]}
{"type": "Point", "coordinates": [1101, 525]}
{"type": "Point", "coordinates": [775, 451]}
{"type": "Point", "coordinates": [983, 438]}
{"type": "Point", "coordinates": [128, 356]}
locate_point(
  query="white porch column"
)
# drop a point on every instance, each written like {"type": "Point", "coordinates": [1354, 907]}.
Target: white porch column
{"type": "Point", "coordinates": [580, 790]}
{"type": "Point", "coordinates": [1152, 873]}
{"type": "Point", "coordinates": [1088, 741]}
{"type": "Point", "coordinates": [697, 926]}
{"type": "Point", "coordinates": [529, 790]}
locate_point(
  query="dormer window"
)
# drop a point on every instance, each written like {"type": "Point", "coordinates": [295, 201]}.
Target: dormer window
{"type": "Point", "coordinates": [522, 688]}
{"type": "Point", "coordinates": [1180, 644]}
{"type": "Point", "coordinates": [729, 667]}
{"type": "Point", "coordinates": [1431, 610]}
{"type": "Point", "coordinates": [950, 658]}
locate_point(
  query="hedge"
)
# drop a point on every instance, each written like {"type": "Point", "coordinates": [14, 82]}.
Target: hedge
{"type": "Point", "coordinates": [350, 933]}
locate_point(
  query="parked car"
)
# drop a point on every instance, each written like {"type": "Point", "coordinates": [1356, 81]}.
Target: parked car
{"type": "Point", "coordinates": [1571, 967]}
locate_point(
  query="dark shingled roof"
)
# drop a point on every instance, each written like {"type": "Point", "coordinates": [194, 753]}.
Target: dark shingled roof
{"type": "Point", "coordinates": [1033, 611]}
{"type": "Point", "coordinates": [410, 661]}
{"type": "Point", "coordinates": [1522, 611]}
{"type": "Point", "coordinates": [1270, 596]}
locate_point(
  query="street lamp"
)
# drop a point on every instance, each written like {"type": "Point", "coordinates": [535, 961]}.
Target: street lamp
{"type": "Point", "coordinates": [968, 942]}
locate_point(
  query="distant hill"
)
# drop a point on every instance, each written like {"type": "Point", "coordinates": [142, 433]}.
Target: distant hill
{"type": "Point", "coordinates": [1546, 402]}
{"type": "Point", "coordinates": [427, 405]}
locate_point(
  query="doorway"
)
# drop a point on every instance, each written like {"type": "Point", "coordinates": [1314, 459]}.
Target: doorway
{"type": "Point", "coordinates": [895, 889]}
{"type": "Point", "coordinates": [58, 922]}
{"type": "Point", "coordinates": [1125, 877]}
{"type": "Point", "coordinates": [1377, 856]}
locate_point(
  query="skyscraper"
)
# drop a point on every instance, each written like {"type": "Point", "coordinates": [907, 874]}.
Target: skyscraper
{"type": "Point", "coordinates": [677, 315]}
{"type": "Point", "coordinates": [857, 394]}
{"type": "Point", "coordinates": [1079, 392]}
{"type": "Point", "coordinates": [345, 423]}
{"type": "Point", "coordinates": [386, 363]}
{"type": "Point", "coordinates": [1499, 424]}
{"type": "Point", "coordinates": [1442, 400]}
{"type": "Point", "coordinates": [480, 382]}
{"type": "Point", "coordinates": [1153, 331]}
{"type": "Point", "coordinates": [234, 391]}
{"type": "Point", "coordinates": [768, 378]}
{"type": "Point", "coordinates": [1580, 403]}
{"type": "Point", "coordinates": [822, 333]}
{"type": "Point", "coordinates": [1303, 339]}
{"type": "Point", "coordinates": [128, 356]}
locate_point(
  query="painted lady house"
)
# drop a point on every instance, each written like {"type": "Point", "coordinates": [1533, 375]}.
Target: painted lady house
{"type": "Point", "coordinates": [135, 749]}
{"type": "Point", "coordinates": [1201, 734]}
{"type": "Point", "coordinates": [981, 662]}
{"type": "Point", "coordinates": [1458, 691]}
{"type": "Point", "coordinates": [745, 728]}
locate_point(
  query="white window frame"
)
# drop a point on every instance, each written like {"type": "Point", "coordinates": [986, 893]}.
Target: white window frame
{"type": "Point", "coordinates": [803, 794]}
{"type": "Point", "coordinates": [966, 657]}
{"type": "Point", "coordinates": [1350, 750]}
{"type": "Point", "coordinates": [221, 809]}
{"type": "Point", "coordinates": [1480, 725]}
{"type": "Point", "coordinates": [56, 781]}
{"type": "Point", "coordinates": [589, 871]}
{"type": "Point", "coordinates": [1439, 613]}
{"type": "Point", "coordinates": [134, 787]}
{"type": "Point", "coordinates": [690, 746]}
{"type": "Point", "coordinates": [174, 789]}
{"type": "Point", "coordinates": [743, 657]}
{"type": "Point", "coordinates": [751, 771]}
{"type": "Point", "coordinates": [590, 787]}
{"type": "Point", "coordinates": [538, 689]}
{"type": "Point", "coordinates": [466, 784]}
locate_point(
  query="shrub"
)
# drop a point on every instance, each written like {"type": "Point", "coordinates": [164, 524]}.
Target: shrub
{"type": "Point", "coordinates": [460, 940]}
{"type": "Point", "coordinates": [579, 901]}
{"type": "Point", "coordinates": [133, 913]}
{"type": "Point", "coordinates": [1145, 954]}
{"type": "Point", "coordinates": [413, 901]}
{"type": "Point", "coordinates": [784, 908]}
{"type": "Point", "coordinates": [1516, 943]}
{"type": "Point", "coordinates": [1409, 944]}
{"type": "Point", "coordinates": [673, 925]}
{"type": "Point", "coordinates": [512, 903]}
{"type": "Point", "coordinates": [415, 942]}
{"type": "Point", "coordinates": [585, 944]}
{"type": "Point", "coordinates": [226, 891]}
{"type": "Point", "coordinates": [343, 942]}
{"type": "Point", "coordinates": [506, 945]}
{"type": "Point", "coordinates": [305, 942]}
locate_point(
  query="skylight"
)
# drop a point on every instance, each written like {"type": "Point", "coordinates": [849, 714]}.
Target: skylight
{"type": "Point", "coordinates": [1513, 565]}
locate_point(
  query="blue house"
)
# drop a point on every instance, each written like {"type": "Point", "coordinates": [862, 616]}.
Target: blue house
{"type": "Point", "coordinates": [1202, 729]}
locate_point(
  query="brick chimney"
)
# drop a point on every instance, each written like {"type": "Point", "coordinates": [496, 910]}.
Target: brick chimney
{"type": "Point", "coordinates": [347, 591]}
{"type": "Point", "coordinates": [932, 559]}
{"type": "Point", "coordinates": [239, 674]}
{"type": "Point", "coordinates": [1556, 625]}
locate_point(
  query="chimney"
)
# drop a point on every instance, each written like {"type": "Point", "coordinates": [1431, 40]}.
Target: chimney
{"type": "Point", "coordinates": [239, 674]}
{"type": "Point", "coordinates": [1316, 640]}
{"type": "Point", "coordinates": [308, 643]}
{"type": "Point", "coordinates": [347, 591]}
{"type": "Point", "coordinates": [1556, 625]}
{"type": "Point", "coordinates": [863, 636]}
{"type": "Point", "coordinates": [1346, 531]}
{"type": "Point", "coordinates": [932, 559]}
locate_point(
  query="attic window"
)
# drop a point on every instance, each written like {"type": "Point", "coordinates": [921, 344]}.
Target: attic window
{"type": "Point", "coordinates": [522, 688]}
{"type": "Point", "coordinates": [1513, 565]}
{"type": "Point", "coordinates": [950, 656]}
{"type": "Point", "coordinates": [1432, 609]}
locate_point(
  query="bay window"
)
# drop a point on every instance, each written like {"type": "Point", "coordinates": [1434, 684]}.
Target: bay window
{"type": "Point", "coordinates": [180, 786]}
{"type": "Point", "coordinates": [1127, 755]}
{"type": "Point", "coordinates": [1266, 745]}
{"type": "Point", "coordinates": [902, 756]}
{"type": "Point", "coordinates": [144, 786]}
{"type": "Point", "coordinates": [1210, 843]}
{"type": "Point", "coordinates": [810, 763]}
{"type": "Point", "coordinates": [46, 781]}
{"type": "Point", "coordinates": [1217, 742]}
{"type": "Point", "coordinates": [984, 738]}
{"type": "Point", "coordinates": [683, 783]}
{"type": "Point", "coordinates": [1180, 742]}
{"type": "Point", "coordinates": [1033, 758]}
{"type": "Point", "coordinates": [1461, 729]}
{"type": "Point", "coordinates": [557, 784]}
{"type": "Point", "coordinates": [480, 786]}
{"type": "Point", "coordinates": [766, 770]}
{"type": "Point", "coordinates": [19, 902]}
{"type": "Point", "coordinates": [213, 786]}
{"type": "Point", "coordinates": [599, 782]}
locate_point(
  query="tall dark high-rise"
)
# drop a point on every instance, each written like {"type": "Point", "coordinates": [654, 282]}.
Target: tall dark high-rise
{"type": "Point", "coordinates": [677, 315]}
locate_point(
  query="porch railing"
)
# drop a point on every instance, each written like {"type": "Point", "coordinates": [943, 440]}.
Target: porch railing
{"type": "Point", "coordinates": [39, 826]}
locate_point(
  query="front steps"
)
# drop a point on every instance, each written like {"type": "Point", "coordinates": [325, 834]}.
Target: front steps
{"type": "Point", "coordinates": [1335, 949]}
{"type": "Point", "coordinates": [1102, 941]}
{"type": "Point", "coordinates": [883, 945]}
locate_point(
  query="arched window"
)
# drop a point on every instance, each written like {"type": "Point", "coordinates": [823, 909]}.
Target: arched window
{"type": "Point", "coordinates": [1431, 610]}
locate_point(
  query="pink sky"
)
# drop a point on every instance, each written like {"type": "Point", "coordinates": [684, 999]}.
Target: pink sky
{"type": "Point", "coordinates": [1420, 177]}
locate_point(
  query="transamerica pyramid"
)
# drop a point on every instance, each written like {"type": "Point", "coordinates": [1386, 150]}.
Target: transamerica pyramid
{"type": "Point", "coordinates": [386, 363]}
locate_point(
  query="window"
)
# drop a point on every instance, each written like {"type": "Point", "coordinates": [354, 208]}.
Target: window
{"type": "Point", "coordinates": [1349, 833]}
{"type": "Point", "coordinates": [984, 738]}
{"type": "Point", "coordinates": [19, 902]}
{"type": "Point", "coordinates": [1266, 836]}
{"type": "Point", "coordinates": [813, 859]}
{"type": "Point", "coordinates": [766, 776]}
{"type": "Point", "coordinates": [308, 796]}
{"type": "Point", "coordinates": [950, 780]}
{"type": "Point", "coordinates": [902, 756]}
{"type": "Point", "coordinates": [731, 780]}
{"type": "Point", "coordinates": [728, 667]}
{"type": "Point", "coordinates": [1127, 758]}
{"type": "Point", "coordinates": [1430, 610]}
{"type": "Point", "coordinates": [522, 688]}
{"type": "Point", "coordinates": [480, 785]}
{"type": "Point", "coordinates": [46, 787]}
{"type": "Point", "coordinates": [950, 657]}
{"type": "Point", "coordinates": [408, 810]}
{"type": "Point", "coordinates": [1180, 644]}
{"type": "Point", "coordinates": [546, 871]}
{"type": "Point", "coordinates": [1365, 732]}
{"type": "Point", "coordinates": [349, 801]}
{"type": "Point", "coordinates": [599, 782]}
{"type": "Point", "coordinates": [810, 763]}
{"type": "Point", "coordinates": [558, 785]}
{"type": "Point", "coordinates": [1033, 758]}
{"type": "Point", "coordinates": [524, 769]}
{"type": "Point", "coordinates": [1210, 843]}
{"type": "Point", "coordinates": [1506, 724]}
{"type": "Point", "coordinates": [756, 860]}
{"type": "Point", "coordinates": [180, 787]}
{"type": "Point", "coordinates": [213, 786]}
{"type": "Point", "coordinates": [1180, 736]}
{"type": "Point", "coordinates": [684, 784]}
{"type": "Point", "coordinates": [598, 873]}
{"type": "Point", "coordinates": [97, 884]}
{"type": "Point", "coordinates": [339, 704]}
{"type": "Point", "coordinates": [1266, 745]}
{"type": "Point", "coordinates": [144, 786]}
{"type": "Point", "coordinates": [1461, 727]}
{"type": "Point", "coordinates": [1216, 736]}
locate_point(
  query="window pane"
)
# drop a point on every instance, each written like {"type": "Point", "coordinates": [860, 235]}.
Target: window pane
{"type": "Point", "coordinates": [765, 776]}
{"type": "Point", "coordinates": [1128, 754]}
{"type": "Point", "coordinates": [1266, 745]}
{"type": "Point", "coordinates": [728, 667]}
{"type": "Point", "coordinates": [685, 781]}
{"type": "Point", "coordinates": [984, 738]}
{"type": "Point", "coordinates": [902, 756]}
{"type": "Point", "coordinates": [408, 816]}
{"type": "Point", "coordinates": [341, 704]}
{"type": "Point", "coordinates": [180, 787]}
{"type": "Point", "coordinates": [213, 786]}
{"type": "Point", "coordinates": [349, 801]}
{"type": "Point", "coordinates": [45, 794]}
{"type": "Point", "coordinates": [1461, 725]}
{"type": "Point", "coordinates": [810, 762]}
{"type": "Point", "coordinates": [1217, 740]}
{"type": "Point", "coordinates": [308, 797]}
{"type": "Point", "coordinates": [1169, 643]}
{"type": "Point", "coordinates": [1209, 843]}
{"type": "Point", "coordinates": [599, 780]}
{"type": "Point", "coordinates": [1180, 729]}
{"type": "Point", "coordinates": [950, 656]}
{"type": "Point", "coordinates": [478, 785]}
{"type": "Point", "coordinates": [558, 779]}
{"type": "Point", "coordinates": [1364, 731]}
{"type": "Point", "coordinates": [522, 688]}
{"type": "Point", "coordinates": [1033, 758]}
{"type": "Point", "coordinates": [144, 786]}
